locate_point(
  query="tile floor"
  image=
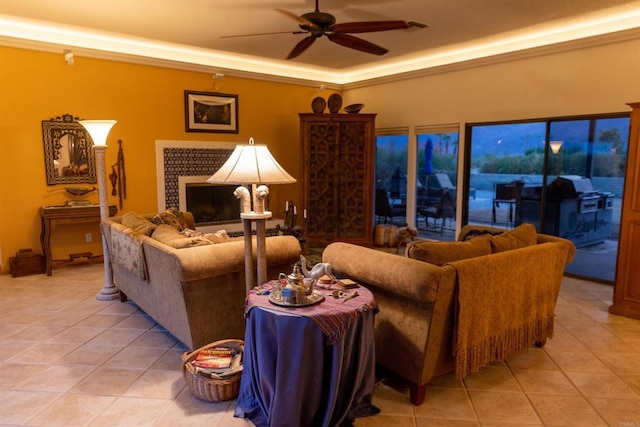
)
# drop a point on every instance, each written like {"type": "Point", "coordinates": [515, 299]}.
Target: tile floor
{"type": "Point", "coordinates": [67, 359]}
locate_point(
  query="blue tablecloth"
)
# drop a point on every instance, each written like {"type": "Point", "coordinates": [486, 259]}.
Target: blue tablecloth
{"type": "Point", "coordinates": [294, 377]}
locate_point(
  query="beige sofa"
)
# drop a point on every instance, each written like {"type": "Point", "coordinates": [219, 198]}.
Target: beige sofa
{"type": "Point", "coordinates": [426, 325]}
{"type": "Point", "coordinates": [194, 290]}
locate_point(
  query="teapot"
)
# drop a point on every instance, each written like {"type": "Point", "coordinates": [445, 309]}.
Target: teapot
{"type": "Point", "coordinates": [295, 282]}
{"type": "Point", "coordinates": [296, 278]}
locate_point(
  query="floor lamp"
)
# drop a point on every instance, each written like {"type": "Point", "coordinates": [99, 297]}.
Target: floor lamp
{"type": "Point", "coordinates": [252, 165]}
{"type": "Point", "coordinates": [98, 130]}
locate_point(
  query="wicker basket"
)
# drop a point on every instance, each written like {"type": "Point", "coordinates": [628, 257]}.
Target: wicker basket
{"type": "Point", "coordinates": [210, 389]}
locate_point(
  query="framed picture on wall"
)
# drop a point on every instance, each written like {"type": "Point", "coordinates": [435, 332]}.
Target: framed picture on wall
{"type": "Point", "coordinates": [210, 112]}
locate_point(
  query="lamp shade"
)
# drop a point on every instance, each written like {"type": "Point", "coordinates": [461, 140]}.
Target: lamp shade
{"type": "Point", "coordinates": [98, 129]}
{"type": "Point", "coordinates": [251, 164]}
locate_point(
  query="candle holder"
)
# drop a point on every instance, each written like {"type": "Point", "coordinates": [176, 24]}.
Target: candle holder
{"type": "Point", "coordinates": [291, 227]}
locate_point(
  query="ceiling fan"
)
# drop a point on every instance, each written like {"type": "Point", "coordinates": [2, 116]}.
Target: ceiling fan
{"type": "Point", "coordinates": [318, 24]}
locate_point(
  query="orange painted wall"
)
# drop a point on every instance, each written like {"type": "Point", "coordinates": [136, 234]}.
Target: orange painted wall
{"type": "Point", "coordinates": [148, 103]}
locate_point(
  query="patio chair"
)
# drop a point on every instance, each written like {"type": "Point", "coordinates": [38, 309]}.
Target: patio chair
{"type": "Point", "coordinates": [384, 211]}
{"type": "Point", "coordinates": [504, 193]}
{"type": "Point", "coordinates": [445, 208]}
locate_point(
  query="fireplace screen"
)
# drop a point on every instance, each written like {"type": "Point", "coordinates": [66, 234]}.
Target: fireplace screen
{"type": "Point", "coordinates": [212, 204]}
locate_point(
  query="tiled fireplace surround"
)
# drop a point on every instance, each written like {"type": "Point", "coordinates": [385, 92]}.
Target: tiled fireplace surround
{"type": "Point", "coordinates": [182, 162]}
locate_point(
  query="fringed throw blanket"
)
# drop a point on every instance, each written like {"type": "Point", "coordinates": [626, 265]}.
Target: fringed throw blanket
{"type": "Point", "coordinates": [127, 251]}
{"type": "Point", "coordinates": [504, 306]}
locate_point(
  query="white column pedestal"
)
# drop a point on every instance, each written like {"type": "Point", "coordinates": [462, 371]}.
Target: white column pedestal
{"type": "Point", "coordinates": [109, 292]}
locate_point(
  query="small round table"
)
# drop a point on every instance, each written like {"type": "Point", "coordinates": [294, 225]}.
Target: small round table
{"type": "Point", "coordinates": [308, 366]}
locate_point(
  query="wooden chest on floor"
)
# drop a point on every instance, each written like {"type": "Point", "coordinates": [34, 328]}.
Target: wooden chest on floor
{"type": "Point", "coordinates": [26, 263]}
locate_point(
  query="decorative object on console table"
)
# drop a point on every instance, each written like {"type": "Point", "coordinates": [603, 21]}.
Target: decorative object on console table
{"type": "Point", "coordinates": [338, 158]}
{"type": "Point", "coordinates": [99, 130]}
{"type": "Point", "coordinates": [76, 194]}
{"type": "Point", "coordinates": [626, 294]}
{"type": "Point", "coordinates": [79, 191]}
{"type": "Point", "coordinates": [252, 164]}
{"type": "Point", "coordinates": [210, 112]}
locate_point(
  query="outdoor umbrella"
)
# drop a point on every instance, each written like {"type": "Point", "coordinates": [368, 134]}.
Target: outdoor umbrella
{"type": "Point", "coordinates": [428, 155]}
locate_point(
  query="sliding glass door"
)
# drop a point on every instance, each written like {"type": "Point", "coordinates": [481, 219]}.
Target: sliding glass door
{"type": "Point", "coordinates": [391, 177]}
{"type": "Point", "coordinates": [565, 176]}
{"type": "Point", "coordinates": [584, 190]}
{"type": "Point", "coordinates": [436, 184]}
{"type": "Point", "coordinates": [416, 173]}
{"type": "Point", "coordinates": [501, 156]}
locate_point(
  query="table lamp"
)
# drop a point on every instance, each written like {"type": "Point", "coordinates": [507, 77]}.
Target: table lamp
{"type": "Point", "coordinates": [252, 164]}
{"type": "Point", "coordinates": [99, 130]}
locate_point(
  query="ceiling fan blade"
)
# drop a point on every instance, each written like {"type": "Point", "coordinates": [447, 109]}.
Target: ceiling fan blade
{"type": "Point", "coordinates": [372, 26]}
{"type": "Point", "coordinates": [356, 43]}
{"type": "Point", "coordinates": [299, 19]}
{"type": "Point", "coordinates": [301, 46]}
{"type": "Point", "coordinates": [369, 26]}
{"type": "Point", "coordinates": [262, 34]}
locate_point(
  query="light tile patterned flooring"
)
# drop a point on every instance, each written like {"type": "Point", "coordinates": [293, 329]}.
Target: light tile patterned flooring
{"type": "Point", "coordinates": [67, 359]}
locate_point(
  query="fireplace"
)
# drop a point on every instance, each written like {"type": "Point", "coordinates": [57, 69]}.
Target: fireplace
{"type": "Point", "coordinates": [210, 204]}
{"type": "Point", "coordinates": [183, 168]}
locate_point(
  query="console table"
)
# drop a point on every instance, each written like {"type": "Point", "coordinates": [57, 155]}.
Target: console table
{"type": "Point", "coordinates": [50, 216]}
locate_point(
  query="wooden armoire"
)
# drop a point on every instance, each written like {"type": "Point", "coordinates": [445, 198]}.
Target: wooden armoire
{"type": "Point", "coordinates": [626, 294]}
{"type": "Point", "coordinates": [338, 155]}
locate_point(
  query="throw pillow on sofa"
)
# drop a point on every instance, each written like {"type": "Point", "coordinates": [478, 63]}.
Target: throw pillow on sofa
{"type": "Point", "coordinates": [472, 234]}
{"type": "Point", "coordinates": [520, 237]}
{"type": "Point", "coordinates": [219, 236]}
{"type": "Point", "coordinates": [440, 253]}
{"type": "Point", "coordinates": [138, 223]}
{"type": "Point", "coordinates": [171, 236]}
{"type": "Point", "coordinates": [171, 216]}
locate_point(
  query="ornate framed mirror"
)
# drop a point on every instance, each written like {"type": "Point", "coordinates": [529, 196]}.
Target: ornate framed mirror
{"type": "Point", "coordinates": [68, 156]}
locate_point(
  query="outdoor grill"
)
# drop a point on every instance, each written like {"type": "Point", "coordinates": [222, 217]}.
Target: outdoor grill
{"type": "Point", "coordinates": [573, 210]}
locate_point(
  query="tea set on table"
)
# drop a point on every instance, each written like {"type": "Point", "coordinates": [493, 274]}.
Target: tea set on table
{"type": "Point", "coordinates": [298, 289]}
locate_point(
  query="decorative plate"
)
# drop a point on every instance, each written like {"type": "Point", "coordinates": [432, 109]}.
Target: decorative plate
{"type": "Point", "coordinates": [318, 104]}
{"type": "Point", "coordinates": [314, 298]}
{"type": "Point", "coordinates": [335, 102]}
{"type": "Point", "coordinates": [353, 108]}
